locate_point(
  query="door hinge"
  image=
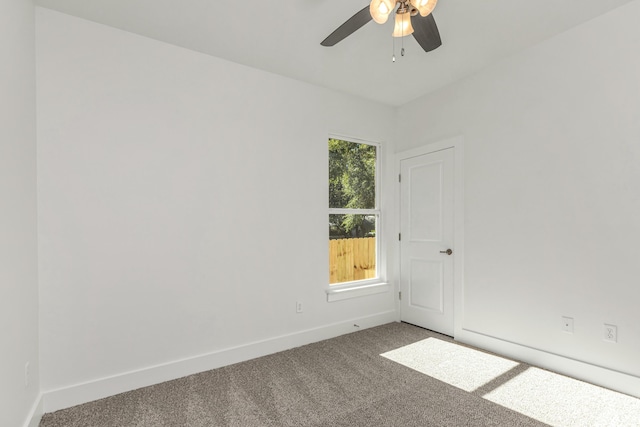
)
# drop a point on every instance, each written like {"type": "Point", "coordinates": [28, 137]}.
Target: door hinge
{"type": "Point", "coordinates": [399, 236]}
{"type": "Point", "coordinates": [399, 178]}
{"type": "Point", "coordinates": [400, 295]}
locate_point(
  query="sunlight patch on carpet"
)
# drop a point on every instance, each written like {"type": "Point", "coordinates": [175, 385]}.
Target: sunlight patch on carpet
{"type": "Point", "coordinates": [561, 401]}
{"type": "Point", "coordinates": [454, 364]}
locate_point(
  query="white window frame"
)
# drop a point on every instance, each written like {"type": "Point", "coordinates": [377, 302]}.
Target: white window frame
{"type": "Point", "coordinates": [357, 288]}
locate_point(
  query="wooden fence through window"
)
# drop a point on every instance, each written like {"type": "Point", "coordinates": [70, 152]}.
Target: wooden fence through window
{"type": "Point", "coordinates": [352, 259]}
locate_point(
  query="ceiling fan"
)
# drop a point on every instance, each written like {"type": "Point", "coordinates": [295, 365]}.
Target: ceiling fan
{"type": "Point", "coordinates": [412, 17]}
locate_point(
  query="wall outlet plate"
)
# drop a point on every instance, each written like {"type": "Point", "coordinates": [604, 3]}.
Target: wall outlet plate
{"type": "Point", "coordinates": [567, 324]}
{"type": "Point", "coordinates": [610, 333]}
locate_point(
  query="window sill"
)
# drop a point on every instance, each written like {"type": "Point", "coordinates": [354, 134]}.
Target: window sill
{"type": "Point", "coordinates": [357, 291]}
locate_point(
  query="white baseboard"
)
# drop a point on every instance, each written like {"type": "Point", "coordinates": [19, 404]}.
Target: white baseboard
{"type": "Point", "coordinates": [598, 375]}
{"type": "Point", "coordinates": [36, 412]}
{"type": "Point", "coordinates": [103, 387]}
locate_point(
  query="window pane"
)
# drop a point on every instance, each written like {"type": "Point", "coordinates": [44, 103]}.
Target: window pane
{"type": "Point", "coordinates": [352, 175]}
{"type": "Point", "coordinates": [352, 248]}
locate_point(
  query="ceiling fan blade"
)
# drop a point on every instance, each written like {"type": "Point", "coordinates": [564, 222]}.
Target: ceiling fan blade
{"type": "Point", "coordinates": [425, 31]}
{"type": "Point", "coordinates": [349, 27]}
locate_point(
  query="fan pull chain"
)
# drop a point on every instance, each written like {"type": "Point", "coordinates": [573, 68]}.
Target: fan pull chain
{"type": "Point", "coordinates": [402, 41]}
{"type": "Point", "coordinates": [393, 58]}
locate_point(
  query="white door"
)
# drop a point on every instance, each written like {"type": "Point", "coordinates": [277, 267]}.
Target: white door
{"type": "Point", "coordinates": [426, 240]}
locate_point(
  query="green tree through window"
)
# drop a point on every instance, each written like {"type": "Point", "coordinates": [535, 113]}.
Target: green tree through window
{"type": "Point", "coordinates": [352, 173]}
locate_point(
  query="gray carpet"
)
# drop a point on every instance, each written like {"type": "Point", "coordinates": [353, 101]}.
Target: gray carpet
{"type": "Point", "coordinates": [338, 382]}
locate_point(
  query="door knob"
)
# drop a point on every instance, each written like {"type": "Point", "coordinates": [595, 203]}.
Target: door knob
{"type": "Point", "coordinates": [448, 252]}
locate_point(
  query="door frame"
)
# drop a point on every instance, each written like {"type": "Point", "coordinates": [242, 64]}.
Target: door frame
{"type": "Point", "coordinates": [457, 144]}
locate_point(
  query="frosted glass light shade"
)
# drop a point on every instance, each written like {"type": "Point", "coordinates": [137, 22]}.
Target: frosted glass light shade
{"type": "Point", "coordinates": [425, 7]}
{"type": "Point", "coordinates": [403, 25]}
{"type": "Point", "coordinates": [380, 10]}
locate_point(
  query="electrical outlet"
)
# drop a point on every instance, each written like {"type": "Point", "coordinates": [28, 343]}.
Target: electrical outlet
{"type": "Point", "coordinates": [610, 333]}
{"type": "Point", "coordinates": [567, 324]}
{"type": "Point", "coordinates": [26, 375]}
{"type": "Point", "coordinates": [299, 307]}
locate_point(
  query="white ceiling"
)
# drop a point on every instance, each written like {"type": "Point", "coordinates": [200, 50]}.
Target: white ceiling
{"type": "Point", "coordinates": [284, 37]}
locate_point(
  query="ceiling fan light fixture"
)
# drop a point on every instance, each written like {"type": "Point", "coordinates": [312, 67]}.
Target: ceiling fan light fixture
{"type": "Point", "coordinates": [380, 10]}
{"type": "Point", "coordinates": [403, 25]}
{"type": "Point", "coordinates": [425, 7]}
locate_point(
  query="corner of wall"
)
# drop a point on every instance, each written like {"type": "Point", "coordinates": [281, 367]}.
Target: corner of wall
{"type": "Point", "coordinates": [36, 412]}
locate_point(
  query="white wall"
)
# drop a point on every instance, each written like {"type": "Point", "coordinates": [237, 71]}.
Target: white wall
{"type": "Point", "coordinates": [182, 202]}
{"type": "Point", "coordinates": [18, 241]}
{"type": "Point", "coordinates": [552, 190]}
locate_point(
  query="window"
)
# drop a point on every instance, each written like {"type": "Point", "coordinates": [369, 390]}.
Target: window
{"type": "Point", "coordinates": [354, 214]}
